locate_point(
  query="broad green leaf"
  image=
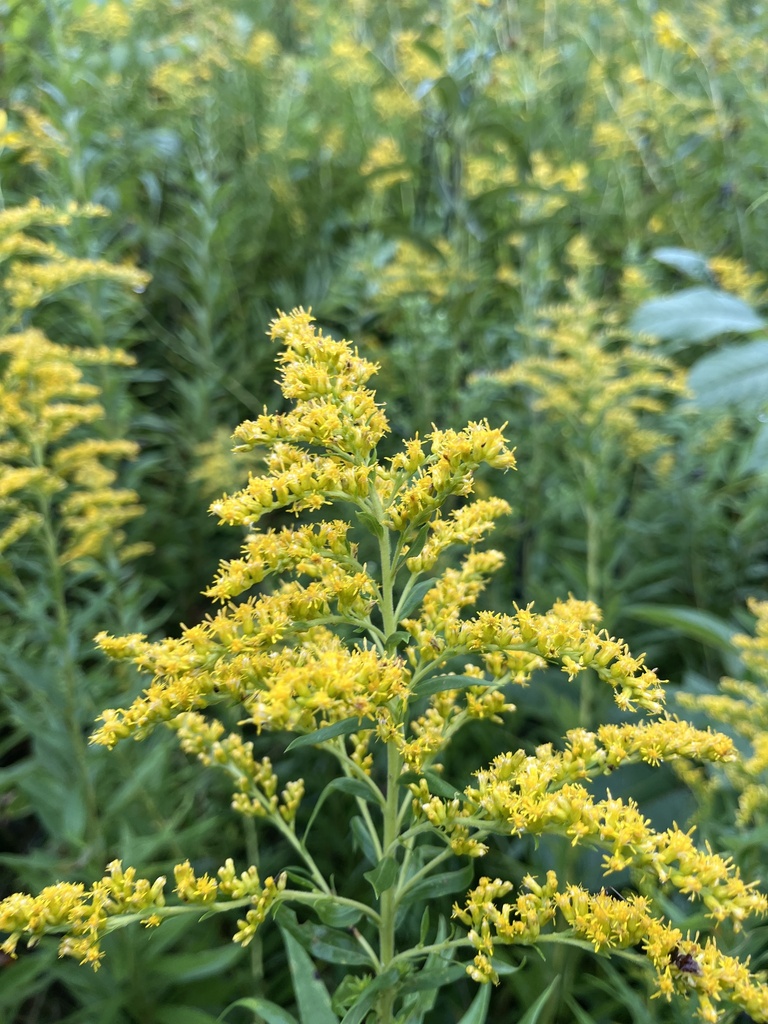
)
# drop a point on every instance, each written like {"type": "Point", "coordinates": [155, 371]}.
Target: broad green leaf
{"type": "Point", "coordinates": [533, 1013]}
{"type": "Point", "coordinates": [478, 1010]}
{"type": "Point", "coordinates": [323, 943]}
{"type": "Point", "coordinates": [312, 997]}
{"type": "Point", "coordinates": [734, 375]}
{"type": "Point", "coordinates": [337, 947]}
{"type": "Point", "coordinates": [263, 1009]}
{"type": "Point", "coordinates": [383, 876]}
{"type": "Point", "coordinates": [436, 885]}
{"type": "Point", "coordinates": [695, 314]}
{"type": "Point", "coordinates": [436, 684]}
{"type": "Point", "coordinates": [336, 916]}
{"type": "Point", "coordinates": [687, 262]}
{"type": "Point", "coordinates": [329, 732]}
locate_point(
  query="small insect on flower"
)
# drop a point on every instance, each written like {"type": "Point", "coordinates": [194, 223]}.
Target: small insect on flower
{"type": "Point", "coordinates": [685, 962]}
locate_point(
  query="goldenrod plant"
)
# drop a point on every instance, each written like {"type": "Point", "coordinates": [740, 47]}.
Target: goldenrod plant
{"type": "Point", "coordinates": [741, 707]}
{"type": "Point", "coordinates": [603, 392]}
{"type": "Point", "coordinates": [67, 563]}
{"type": "Point", "coordinates": [377, 663]}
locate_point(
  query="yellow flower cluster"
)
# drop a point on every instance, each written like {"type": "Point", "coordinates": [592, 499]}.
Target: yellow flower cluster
{"type": "Point", "coordinates": [282, 688]}
{"type": "Point", "coordinates": [516, 645]}
{"type": "Point", "coordinates": [37, 141]}
{"type": "Point", "coordinates": [669, 35]}
{"type": "Point", "coordinates": [448, 470]}
{"type": "Point", "coordinates": [467, 525]}
{"type": "Point", "coordinates": [27, 283]}
{"type": "Point", "coordinates": [278, 656]}
{"type": "Point", "coordinates": [109, 21]}
{"type": "Point", "coordinates": [87, 915]}
{"type": "Point", "coordinates": [256, 782]}
{"type": "Point", "coordinates": [487, 172]}
{"type": "Point", "coordinates": [439, 271]}
{"type": "Point", "coordinates": [588, 383]}
{"type": "Point", "coordinates": [735, 276]}
{"type": "Point", "coordinates": [540, 794]}
{"type": "Point", "coordinates": [320, 551]}
{"type": "Point", "coordinates": [548, 187]}
{"type": "Point", "coordinates": [608, 922]}
{"type": "Point", "coordinates": [385, 164]}
{"type": "Point", "coordinates": [44, 460]}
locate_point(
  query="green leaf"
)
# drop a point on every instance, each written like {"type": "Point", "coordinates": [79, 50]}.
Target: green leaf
{"type": "Point", "coordinates": [436, 684]}
{"type": "Point", "coordinates": [329, 732]}
{"type": "Point", "coordinates": [352, 787]}
{"type": "Point", "coordinates": [183, 1015]}
{"type": "Point", "coordinates": [424, 926]}
{"type": "Point", "coordinates": [264, 1009]}
{"type": "Point", "coordinates": [437, 786]}
{"type": "Point", "coordinates": [369, 520]}
{"type": "Point", "coordinates": [312, 997]}
{"type": "Point", "coordinates": [337, 947]}
{"type": "Point", "coordinates": [336, 915]}
{"type": "Point", "coordinates": [383, 876]}
{"type": "Point", "coordinates": [357, 1013]}
{"type": "Point", "coordinates": [416, 546]}
{"type": "Point", "coordinates": [363, 839]}
{"type": "Point", "coordinates": [478, 1009]}
{"type": "Point", "coordinates": [186, 967]}
{"type": "Point", "coordinates": [394, 640]}
{"type": "Point", "coordinates": [695, 314]}
{"type": "Point", "coordinates": [534, 1011]}
{"type": "Point", "coordinates": [436, 885]}
{"type": "Point", "coordinates": [582, 1017]}
{"type": "Point", "coordinates": [330, 944]}
{"type": "Point", "coordinates": [698, 625]}
{"type": "Point", "coordinates": [687, 262]}
{"type": "Point", "coordinates": [414, 598]}
{"type": "Point", "coordinates": [734, 375]}
{"type": "Point", "coordinates": [433, 978]}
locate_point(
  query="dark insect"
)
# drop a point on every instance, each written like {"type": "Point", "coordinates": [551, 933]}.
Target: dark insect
{"type": "Point", "coordinates": [685, 962]}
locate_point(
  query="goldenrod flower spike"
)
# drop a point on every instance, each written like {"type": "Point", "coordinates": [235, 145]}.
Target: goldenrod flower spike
{"type": "Point", "coordinates": [46, 464]}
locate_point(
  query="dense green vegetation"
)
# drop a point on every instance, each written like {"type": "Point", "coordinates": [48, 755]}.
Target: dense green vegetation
{"type": "Point", "coordinates": [550, 214]}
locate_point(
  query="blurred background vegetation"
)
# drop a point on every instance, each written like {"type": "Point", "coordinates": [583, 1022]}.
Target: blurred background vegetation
{"type": "Point", "coordinates": [551, 213]}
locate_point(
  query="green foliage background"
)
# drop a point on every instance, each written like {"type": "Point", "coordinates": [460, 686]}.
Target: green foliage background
{"type": "Point", "coordinates": [461, 187]}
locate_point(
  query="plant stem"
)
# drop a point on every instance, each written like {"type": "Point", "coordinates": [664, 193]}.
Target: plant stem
{"type": "Point", "coordinates": [69, 675]}
{"type": "Point", "coordinates": [388, 900]}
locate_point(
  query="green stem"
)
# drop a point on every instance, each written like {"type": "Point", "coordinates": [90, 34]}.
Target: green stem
{"type": "Point", "coordinates": [257, 946]}
{"type": "Point", "coordinates": [430, 866]}
{"type": "Point", "coordinates": [388, 897]}
{"type": "Point", "coordinates": [68, 674]}
{"type": "Point", "coordinates": [390, 827]}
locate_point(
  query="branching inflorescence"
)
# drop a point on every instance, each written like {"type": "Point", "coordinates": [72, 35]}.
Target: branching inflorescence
{"type": "Point", "coordinates": [390, 703]}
